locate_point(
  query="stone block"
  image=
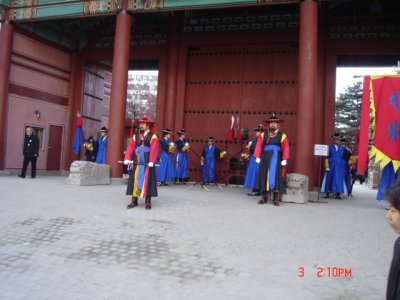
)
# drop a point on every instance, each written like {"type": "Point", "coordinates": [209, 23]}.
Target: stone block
{"type": "Point", "coordinates": [374, 174]}
{"type": "Point", "coordinates": [313, 196]}
{"type": "Point", "coordinates": [373, 180]}
{"type": "Point", "coordinates": [296, 188]}
{"type": "Point", "coordinates": [88, 173]}
{"type": "Point", "coordinates": [103, 174]}
{"type": "Point", "coordinates": [5, 173]}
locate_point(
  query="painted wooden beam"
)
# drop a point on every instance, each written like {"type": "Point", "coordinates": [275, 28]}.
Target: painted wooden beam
{"type": "Point", "coordinates": [2, 13]}
{"type": "Point", "coordinates": [30, 3]}
{"type": "Point", "coordinates": [142, 5]}
{"type": "Point", "coordinates": [30, 10]}
{"type": "Point", "coordinates": [46, 9]}
{"type": "Point", "coordinates": [6, 3]}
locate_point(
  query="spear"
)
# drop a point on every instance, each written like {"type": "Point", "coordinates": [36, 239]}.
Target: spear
{"type": "Point", "coordinates": [136, 164]}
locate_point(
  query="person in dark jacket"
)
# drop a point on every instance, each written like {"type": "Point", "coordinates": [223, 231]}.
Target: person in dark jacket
{"type": "Point", "coordinates": [30, 152]}
{"type": "Point", "coordinates": [393, 217]}
{"type": "Point", "coordinates": [90, 149]}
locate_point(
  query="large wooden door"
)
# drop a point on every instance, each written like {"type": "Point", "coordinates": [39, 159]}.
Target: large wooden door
{"type": "Point", "coordinates": [54, 148]}
{"type": "Point", "coordinates": [246, 82]}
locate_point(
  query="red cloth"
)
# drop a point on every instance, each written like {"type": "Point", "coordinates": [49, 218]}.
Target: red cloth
{"type": "Point", "coordinates": [229, 136]}
{"type": "Point", "coordinates": [79, 121]}
{"type": "Point", "coordinates": [386, 92]}
{"type": "Point", "coordinates": [364, 127]}
{"type": "Point", "coordinates": [154, 149]}
{"type": "Point", "coordinates": [239, 134]}
{"type": "Point", "coordinates": [260, 146]}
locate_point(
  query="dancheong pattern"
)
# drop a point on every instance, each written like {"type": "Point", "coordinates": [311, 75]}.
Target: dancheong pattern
{"type": "Point", "coordinates": [146, 4]}
{"type": "Point", "coordinates": [99, 7]}
{"type": "Point", "coordinates": [28, 13]}
{"type": "Point", "coordinates": [24, 3]}
{"type": "Point", "coordinates": [28, 10]}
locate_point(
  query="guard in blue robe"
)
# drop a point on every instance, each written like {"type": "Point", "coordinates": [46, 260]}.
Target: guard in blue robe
{"type": "Point", "coordinates": [208, 161]}
{"type": "Point", "coordinates": [102, 146]}
{"type": "Point", "coordinates": [182, 159]}
{"type": "Point", "coordinates": [165, 169]}
{"type": "Point", "coordinates": [250, 180]}
{"type": "Point", "coordinates": [388, 178]}
{"type": "Point", "coordinates": [334, 179]}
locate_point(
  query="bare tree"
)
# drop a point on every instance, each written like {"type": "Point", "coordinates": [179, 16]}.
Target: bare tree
{"type": "Point", "coordinates": [141, 100]}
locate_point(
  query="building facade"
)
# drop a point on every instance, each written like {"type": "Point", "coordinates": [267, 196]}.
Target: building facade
{"type": "Point", "coordinates": [215, 59]}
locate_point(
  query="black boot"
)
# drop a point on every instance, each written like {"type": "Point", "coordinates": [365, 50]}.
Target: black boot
{"type": "Point", "coordinates": [148, 203]}
{"type": "Point", "coordinates": [276, 198]}
{"type": "Point", "coordinates": [133, 204]}
{"type": "Point", "coordinates": [264, 198]}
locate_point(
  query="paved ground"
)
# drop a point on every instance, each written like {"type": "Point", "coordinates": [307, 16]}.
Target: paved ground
{"type": "Point", "coordinates": [69, 242]}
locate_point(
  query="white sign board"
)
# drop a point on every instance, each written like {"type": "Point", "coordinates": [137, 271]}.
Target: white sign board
{"type": "Point", "coordinates": [321, 150]}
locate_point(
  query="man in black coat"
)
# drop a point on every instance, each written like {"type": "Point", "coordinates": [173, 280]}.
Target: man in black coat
{"type": "Point", "coordinates": [30, 152]}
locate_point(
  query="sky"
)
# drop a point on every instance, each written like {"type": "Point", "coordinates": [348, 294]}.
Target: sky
{"type": "Point", "coordinates": [344, 75]}
{"type": "Point", "coordinates": [143, 72]}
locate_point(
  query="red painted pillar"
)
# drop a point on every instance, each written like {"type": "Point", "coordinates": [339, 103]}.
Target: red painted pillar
{"type": "Point", "coordinates": [6, 40]}
{"type": "Point", "coordinates": [76, 78]}
{"type": "Point", "coordinates": [307, 90]}
{"type": "Point", "coordinates": [173, 50]}
{"type": "Point", "coordinates": [119, 87]}
{"type": "Point", "coordinates": [181, 87]}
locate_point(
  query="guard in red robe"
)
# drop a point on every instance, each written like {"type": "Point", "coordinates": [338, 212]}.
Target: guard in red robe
{"type": "Point", "coordinates": [272, 153]}
{"type": "Point", "coordinates": [142, 152]}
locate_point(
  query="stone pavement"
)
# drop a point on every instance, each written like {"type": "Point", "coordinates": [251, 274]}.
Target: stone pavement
{"type": "Point", "coordinates": [59, 241]}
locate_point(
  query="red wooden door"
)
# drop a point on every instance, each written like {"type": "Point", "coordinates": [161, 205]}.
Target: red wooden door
{"type": "Point", "coordinates": [54, 148]}
{"type": "Point", "coordinates": [248, 82]}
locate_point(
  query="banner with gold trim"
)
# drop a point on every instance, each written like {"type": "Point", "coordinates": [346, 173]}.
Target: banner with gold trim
{"type": "Point", "coordinates": [385, 117]}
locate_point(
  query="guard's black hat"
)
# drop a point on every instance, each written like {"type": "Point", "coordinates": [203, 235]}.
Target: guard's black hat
{"type": "Point", "coordinates": [167, 131]}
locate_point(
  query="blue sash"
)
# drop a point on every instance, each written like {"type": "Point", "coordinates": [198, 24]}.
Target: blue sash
{"type": "Point", "coordinates": [141, 168]}
{"type": "Point", "coordinates": [272, 164]}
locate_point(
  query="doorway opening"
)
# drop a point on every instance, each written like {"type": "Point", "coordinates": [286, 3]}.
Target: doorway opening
{"type": "Point", "coordinates": [142, 91]}
{"type": "Point", "coordinates": [54, 148]}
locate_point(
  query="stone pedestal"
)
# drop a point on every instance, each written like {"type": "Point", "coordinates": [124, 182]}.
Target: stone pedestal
{"type": "Point", "coordinates": [296, 188]}
{"type": "Point", "coordinates": [374, 174]}
{"type": "Point", "coordinates": [88, 173]}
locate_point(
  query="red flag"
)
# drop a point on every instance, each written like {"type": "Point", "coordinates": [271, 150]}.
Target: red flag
{"type": "Point", "coordinates": [364, 127]}
{"type": "Point", "coordinates": [229, 136]}
{"type": "Point", "coordinates": [239, 134]}
{"type": "Point", "coordinates": [385, 107]}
